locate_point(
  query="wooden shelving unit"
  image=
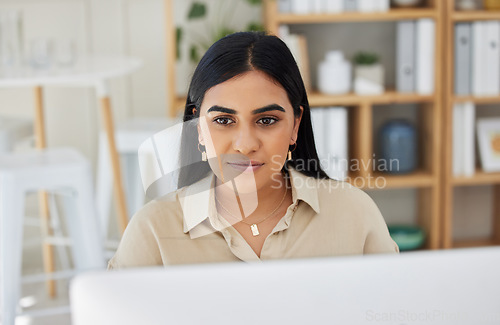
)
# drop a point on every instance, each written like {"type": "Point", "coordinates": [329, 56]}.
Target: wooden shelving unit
{"type": "Point", "coordinates": [457, 16]}
{"type": "Point", "coordinates": [476, 100]}
{"type": "Point", "coordinates": [273, 18]}
{"type": "Point", "coordinates": [434, 181]}
{"type": "Point", "coordinates": [393, 15]}
{"type": "Point", "coordinates": [317, 99]}
{"type": "Point", "coordinates": [418, 179]}
{"type": "Point", "coordinates": [426, 180]}
{"type": "Point", "coordinates": [479, 178]}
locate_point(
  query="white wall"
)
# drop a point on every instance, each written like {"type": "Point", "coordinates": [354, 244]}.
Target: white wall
{"type": "Point", "coordinates": [98, 27]}
{"type": "Point", "coordinates": [69, 113]}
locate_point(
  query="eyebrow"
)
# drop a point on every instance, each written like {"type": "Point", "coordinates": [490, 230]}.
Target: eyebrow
{"type": "Point", "coordinates": [272, 107]}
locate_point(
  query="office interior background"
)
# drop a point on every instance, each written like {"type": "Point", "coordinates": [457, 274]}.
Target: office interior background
{"type": "Point", "coordinates": [139, 29]}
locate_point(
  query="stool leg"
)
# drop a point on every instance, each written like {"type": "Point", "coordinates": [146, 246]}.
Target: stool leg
{"type": "Point", "coordinates": [83, 226]}
{"type": "Point", "coordinates": [104, 186]}
{"type": "Point", "coordinates": [115, 163]}
{"type": "Point", "coordinates": [48, 250]}
{"type": "Point", "coordinates": [57, 230]}
{"type": "Point", "coordinates": [11, 234]}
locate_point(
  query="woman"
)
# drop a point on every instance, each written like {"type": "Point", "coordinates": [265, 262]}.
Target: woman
{"type": "Point", "coordinates": [258, 192]}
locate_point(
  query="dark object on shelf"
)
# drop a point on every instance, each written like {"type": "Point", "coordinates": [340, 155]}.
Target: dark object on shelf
{"type": "Point", "coordinates": [406, 3]}
{"type": "Point", "coordinates": [407, 237]}
{"type": "Point", "coordinates": [398, 147]}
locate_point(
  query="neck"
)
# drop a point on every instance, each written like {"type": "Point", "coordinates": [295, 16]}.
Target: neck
{"type": "Point", "coordinates": [254, 204]}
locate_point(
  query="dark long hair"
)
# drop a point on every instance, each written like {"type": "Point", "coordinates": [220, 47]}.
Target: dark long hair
{"type": "Point", "coordinates": [231, 56]}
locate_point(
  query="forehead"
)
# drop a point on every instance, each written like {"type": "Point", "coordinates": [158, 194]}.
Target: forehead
{"type": "Point", "coordinates": [248, 91]}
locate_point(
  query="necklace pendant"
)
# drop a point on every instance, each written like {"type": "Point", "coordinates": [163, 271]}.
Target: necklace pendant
{"type": "Point", "coordinates": [255, 230]}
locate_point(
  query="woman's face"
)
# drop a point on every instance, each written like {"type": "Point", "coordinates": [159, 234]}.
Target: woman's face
{"type": "Point", "coordinates": [246, 126]}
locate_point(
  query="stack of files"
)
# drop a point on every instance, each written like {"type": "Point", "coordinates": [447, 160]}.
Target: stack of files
{"type": "Point", "coordinates": [485, 58]}
{"type": "Point", "coordinates": [477, 58]}
{"type": "Point", "coordinates": [463, 53]}
{"type": "Point", "coordinates": [330, 135]}
{"type": "Point", "coordinates": [372, 5]}
{"type": "Point", "coordinates": [415, 55]}
{"type": "Point", "coordinates": [303, 7]}
{"type": "Point", "coordinates": [463, 139]}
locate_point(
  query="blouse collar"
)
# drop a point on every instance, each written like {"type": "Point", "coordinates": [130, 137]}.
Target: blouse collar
{"type": "Point", "coordinates": [198, 201]}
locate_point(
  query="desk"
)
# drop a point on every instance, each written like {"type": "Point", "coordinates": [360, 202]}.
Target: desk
{"type": "Point", "coordinates": [91, 71]}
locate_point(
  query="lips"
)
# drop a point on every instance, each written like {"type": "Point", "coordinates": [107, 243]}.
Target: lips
{"type": "Point", "coordinates": [245, 165]}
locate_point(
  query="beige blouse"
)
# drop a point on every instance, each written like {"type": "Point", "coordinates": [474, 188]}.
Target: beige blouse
{"type": "Point", "coordinates": [326, 218]}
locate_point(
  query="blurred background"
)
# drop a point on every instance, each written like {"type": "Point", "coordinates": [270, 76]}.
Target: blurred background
{"type": "Point", "coordinates": [56, 36]}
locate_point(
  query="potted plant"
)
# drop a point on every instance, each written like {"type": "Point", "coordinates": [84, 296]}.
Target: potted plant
{"type": "Point", "coordinates": [201, 29]}
{"type": "Point", "coordinates": [368, 74]}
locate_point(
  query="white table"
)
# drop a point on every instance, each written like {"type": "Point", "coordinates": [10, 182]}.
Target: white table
{"type": "Point", "coordinates": [91, 71]}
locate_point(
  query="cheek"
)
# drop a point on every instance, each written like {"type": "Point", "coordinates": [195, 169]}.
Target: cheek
{"type": "Point", "coordinates": [211, 138]}
{"type": "Point", "coordinates": [221, 141]}
{"type": "Point", "coordinates": [277, 151]}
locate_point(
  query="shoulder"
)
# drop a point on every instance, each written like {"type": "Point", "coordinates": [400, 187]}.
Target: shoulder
{"type": "Point", "coordinates": [155, 215]}
{"type": "Point", "coordinates": [140, 243]}
{"type": "Point", "coordinates": [329, 192]}
{"type": "Point", "coordinates": [334, 191]}
{"type": "Point", "coordinates": [353, 210]}
{"type": "Point", "coordinates": [345, 201]}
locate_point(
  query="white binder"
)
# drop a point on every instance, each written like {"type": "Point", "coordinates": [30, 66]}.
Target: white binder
{"type": "Point", "coordinates": [425, 50]}
{"type": "Point", "coordinates": [479, 58]}
{"type": "Point", "coordinates": [469, 139]}
{"type": "Point", "coordinates": [336, 142]}
{"type": "Point", "coordinates": [463, 48]}
{"type": "Point", "coordinates": [350, 5]}
{"type": "Point", "coordinates": [405, 56]}
{"type": "Point", "coordinates": [334, 6]}
{"type": "Point", "coordinates": [492, 58]}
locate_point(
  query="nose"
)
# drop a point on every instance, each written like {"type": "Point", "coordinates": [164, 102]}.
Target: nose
{"type": "Point", "coordinates": [246, 141]}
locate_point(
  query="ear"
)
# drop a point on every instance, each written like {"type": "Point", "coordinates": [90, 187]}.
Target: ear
{"type": "Point", "coordinates": [200, 136]}
{"type": "Point", "coordinates": [296, 125]}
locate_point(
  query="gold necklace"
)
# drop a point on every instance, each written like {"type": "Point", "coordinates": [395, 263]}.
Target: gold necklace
{"type": "Point", "coordinates": [253, 226]}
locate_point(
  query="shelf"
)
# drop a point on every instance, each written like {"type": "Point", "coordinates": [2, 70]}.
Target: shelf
{"type": "Point", "coordinates": [479, 178]}
{"type": "Point", "coordinates": [475, 15]}
{"type": "Point", "coordinates": [474, 243]}
{"type": "Point", "coordinates": [317, 99]}
{"type": "Point", "coordinates": [477, 99]}
{"type": "Point", "coordinates": [419, 179]}
{"type": "Point", "coordinates": [391, 15]}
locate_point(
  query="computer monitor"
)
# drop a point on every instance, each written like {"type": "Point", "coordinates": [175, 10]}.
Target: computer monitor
{"type": "Point", "coordinates": [460, 286]}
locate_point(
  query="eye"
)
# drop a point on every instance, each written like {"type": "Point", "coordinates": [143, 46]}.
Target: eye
{"type": "Point", "coordinates": [223, 120]}
{"type": "Point", "coordinates": [267, 120]}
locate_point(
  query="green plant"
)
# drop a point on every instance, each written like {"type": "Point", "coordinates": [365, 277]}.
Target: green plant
{"type": "Point", "coordinates": [366, 58]}
{"type": "Point", "coordinates": [225, 13]}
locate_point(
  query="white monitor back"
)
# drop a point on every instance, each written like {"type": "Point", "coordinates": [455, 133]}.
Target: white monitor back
{"type": "Point", "coordinates": [429, 287]}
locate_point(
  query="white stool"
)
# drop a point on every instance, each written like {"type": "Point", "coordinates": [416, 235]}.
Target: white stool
{"type": "Point", "coordinates": [12, 130]}
{"type": "Point", "coordinates": [52, 169]}
{"type": "Point", "coordinates": [129, 136]}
